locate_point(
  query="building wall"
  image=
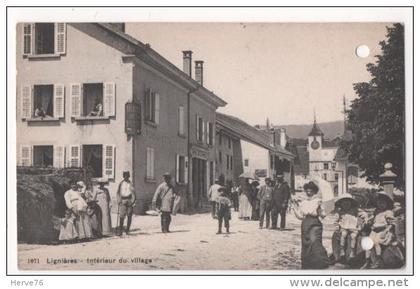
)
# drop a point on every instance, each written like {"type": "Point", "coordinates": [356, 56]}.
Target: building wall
{"type": "Point", "coordinates": [86, 60]}
{"type": "Point", "coordinates": [258, 157]}
{"type": "Point", "coordinates": [222, 144]}
{"type": "Point", "coordinates": [162, 137]}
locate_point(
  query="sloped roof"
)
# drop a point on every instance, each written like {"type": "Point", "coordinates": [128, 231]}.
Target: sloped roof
{"type": "Point", "coordinates": [156, 58]}
{"type": "Point", "coordinates": [243, 130]}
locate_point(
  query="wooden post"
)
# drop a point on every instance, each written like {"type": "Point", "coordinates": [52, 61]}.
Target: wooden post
{"type": "Point", "coordinates": [388, 179]}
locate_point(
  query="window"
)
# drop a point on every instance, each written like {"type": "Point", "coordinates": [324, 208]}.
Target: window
{"type": "Point", "coordinates": [246, 162]}
{"type": "Point", "coordinates": [336, 177]}
{"type": "Point", "coordinates": [181, 169]}
{"type": "Point", "coordinates": [333, 166]}
{"type": "Point", "coordinates": [220, 158]}
{"type": "Point", "coordinates": [227, 162]}
{"type": "Point", "coordinates": [210, 133]}
{"type": "Point", "coordinates": [42, 101]}
{"type": "Point", "coordinates": [92, 159]}
{"type": "Point", "coordinates": [326, 166]}
{"type": "Point", "coordinates": [44, 38]}
{"type": "Point", "coordinates": [181, 121]}
{"type": "Point", "coordinates": [152, 104]}
{"type": "Point", "coordinates": [200, 129]}
{"type": "Point", "coordinates": [231, 163]}
{"type": "Point", "coordinates": [92, 100]}
{"type": "Point", "coordinates": [324, 176]}
{"type": "Point", "coordinates": [229, 143]}
{"type": "Point", "coordinates": [150, 164]}
{"type": "Point", "coordinates": [43, 156]}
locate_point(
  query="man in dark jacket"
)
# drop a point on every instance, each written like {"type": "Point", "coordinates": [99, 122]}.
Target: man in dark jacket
{"type": "Point", "coordinates": [281, 195]}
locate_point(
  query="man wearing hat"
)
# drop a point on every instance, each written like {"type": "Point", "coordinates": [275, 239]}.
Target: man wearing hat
{"type": "Point", "coordinates": [126, 198]}
{"type": "Point", "coordinates": [163, 201]}
{"type": "Point", "coordinates": [265, 196]}
{"type": "Point", "coordinates": [281, 195]}
{"type": "Point", "coordinates": [212, 195]}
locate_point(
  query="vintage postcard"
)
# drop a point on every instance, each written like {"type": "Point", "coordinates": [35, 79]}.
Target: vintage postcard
{"type": "Point", "coordinates": [242, 145]}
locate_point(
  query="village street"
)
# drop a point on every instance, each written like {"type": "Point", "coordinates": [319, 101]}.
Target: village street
{"type": "Point", "coordinates": [192, 245]}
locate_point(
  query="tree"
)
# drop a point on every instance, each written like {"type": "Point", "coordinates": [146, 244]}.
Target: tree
{"type": "Point", "coordinates": [377, 117]}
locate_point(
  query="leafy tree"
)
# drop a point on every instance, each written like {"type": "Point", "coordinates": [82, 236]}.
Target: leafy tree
{"type": "Point", "coordinates": [377, 117]}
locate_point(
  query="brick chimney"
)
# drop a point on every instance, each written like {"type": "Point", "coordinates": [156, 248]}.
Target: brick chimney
{"type": "Point", "coordinates": [199, 71]}
{"type": "Point", "coordinates": [187, 61]}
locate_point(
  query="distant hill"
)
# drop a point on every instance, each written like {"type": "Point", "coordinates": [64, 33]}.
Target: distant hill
{"type": "Point", "coordinates": [330, 129]}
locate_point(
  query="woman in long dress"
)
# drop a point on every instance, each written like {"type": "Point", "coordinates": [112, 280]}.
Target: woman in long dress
{"type": "Point", "coordinates": [310, 210]}
{"type": "Point", "coordinates": [76, 203]}
{"type": "Point", "coordinates": [245, 207]}
{"type": "Point", "coordinates": [103, 198]}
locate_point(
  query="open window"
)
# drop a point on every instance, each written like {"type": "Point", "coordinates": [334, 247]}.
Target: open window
{"type": "Point", "coordinates": [44, 39]}
{"type": "Point", "coordinates": [42, 102]}
{"type": "Point", "coordinates": [152, 106]}
{"type": "Point", "coordinates": [92, 159]}
{"type": "Point", "coordinates": [43, 156]}
{"type": "Point", "coordinates": [92, 100]}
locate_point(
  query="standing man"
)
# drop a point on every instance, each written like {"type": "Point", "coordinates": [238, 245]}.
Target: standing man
{"type": "Point", "coordinates": [126, 198]}
{"type": "Point", "coordinates": [212, 195]}
{"type": "Point", "coordinates": [265, 196]}
{"type": "Point", "coordinates": [163, 201]}
{"type": "Point", "coordinates": [281, 195]}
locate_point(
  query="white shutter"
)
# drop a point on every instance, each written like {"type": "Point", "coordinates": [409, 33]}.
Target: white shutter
{"type": "Point", "coordinates": [108, 161]}
{"type": "Point", "coordinates": [152, 162]}
{"type": "Point", "coordinates": [203, 130]}
{"type": "Point", "coordinates": [157, 107]}
{"type": "Point", "coordinates": [75, 156]}
{"type": "Point", "coordinates": [26, 101]}
{"type": "Point", "coordinates": [181, 120]}
{"type": "Point", "coordinates": [60, 38]}
{"type": "Point", "coordinates": [208, 132]}
{"type": "Point", "coordinates": [109, 98]}
{"type": "Point", "coordinates": [25, 155]}
{"type": "Point", "coordinates": [76, 99]}
{"type": "Point", "coordinates": [59, 156]}
{"type": "Point", "coordinates": [186, 171]}
{"type": "Point", "coordinates": [148, 163]}
{"type": "Point", "coordinates": [177, 169]}
{"type": "Point", "coordinates": [150, 166]}
{"type": "Point", "coordinates": [27, 44]}
{"type": "Point", "coordinates": [59, 100]}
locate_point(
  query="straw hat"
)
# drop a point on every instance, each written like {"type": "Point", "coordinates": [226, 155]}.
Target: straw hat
{"type": "Point", "coordinates": [348, 197]}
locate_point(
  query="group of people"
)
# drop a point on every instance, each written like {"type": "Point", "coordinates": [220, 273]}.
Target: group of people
{"type": "Point", "coordinates": [88, 212]}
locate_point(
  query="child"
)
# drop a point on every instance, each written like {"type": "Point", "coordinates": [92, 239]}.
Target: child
{"type": "Point", "coordinates": [381, 228]}
{"type": "Point", "coordinates": [346, 208]}
{"type": "Point", "coordinates": [68, 230]}
{"type": "Point", "coordinates": [223, 210]}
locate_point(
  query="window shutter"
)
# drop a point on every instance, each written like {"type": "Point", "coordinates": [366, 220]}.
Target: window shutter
{"type": "Point", "coordinates": [59, 156]}
{"type": "Point", "coordinates": [197, 126]}
{"type": "Point", "coordinates": [60, 38]}
{"type": "Point", "coordinates": [203, 130]}
{"type": "Point", "coordinates": [76, 99]}
{"type": "Point", "coordinates": [157, 107]}
{"type": "Point", "coordinates": [108, 161]}
{"type": "Point", "coordinates": [109, 99]}
{"type": "Point", "coordinates": [25, 155]}
{"type": "Point", "coordinates": [208, 133]}
{"type": "Point", "coordinates": [150, 166]}
{"type": "Point", "coordinates": [75, 156]}
{"type": "Point", "coordinates": [152, 162]}
{"type": "Point", "coordinates": [59, 100]}
{"type": "Point", "coordinates": [28, 32]}
{"type": "Point", "coordinates": [181, 120]}
{"type": "Point", "coordinates": [26, 101]}
{"type": "Point", "coordinates": [186, 171]}
{"type": "Point", "coordinates": [147, 114]}
{"type": "Point", "coordinates": [177, 169]}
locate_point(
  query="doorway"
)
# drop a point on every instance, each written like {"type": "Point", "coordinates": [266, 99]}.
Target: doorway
{"type": "Point", "coordinates": [199, 182]}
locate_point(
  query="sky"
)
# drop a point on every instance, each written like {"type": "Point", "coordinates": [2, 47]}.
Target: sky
{"type": "Point", "coordinates": [283, 71]}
